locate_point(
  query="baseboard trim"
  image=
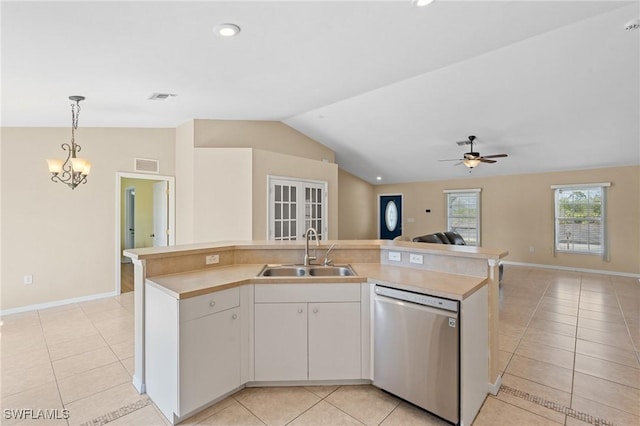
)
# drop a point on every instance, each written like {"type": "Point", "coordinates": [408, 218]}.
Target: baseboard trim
{"type": "Point", "coordinates": [57, 303]}
{"type": "Point", "coordinates": [495, 387]}
{"type": "Point", "coordinates": [569, 268]}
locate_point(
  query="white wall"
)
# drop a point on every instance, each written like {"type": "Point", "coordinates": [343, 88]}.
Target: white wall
{"type": "Point", "coordinates": [66, 238]}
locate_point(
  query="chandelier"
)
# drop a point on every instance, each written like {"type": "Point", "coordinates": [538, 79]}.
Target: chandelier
{"type": "Point", "coordinates": [73, 171]}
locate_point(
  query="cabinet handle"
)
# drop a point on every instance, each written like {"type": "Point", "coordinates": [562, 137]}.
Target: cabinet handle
{"type": "Point", "coordinates": [315, 310]}
{"type": "Point", "coordinates": [212, 303]}
{"type": "Point", "coordinates": [300, 311]}
{"type": "Point", "coordinates": [234, 316]}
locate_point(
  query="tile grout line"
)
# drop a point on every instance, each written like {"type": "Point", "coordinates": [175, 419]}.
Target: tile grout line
{"type": "Point", "coordinates": [559, 408]}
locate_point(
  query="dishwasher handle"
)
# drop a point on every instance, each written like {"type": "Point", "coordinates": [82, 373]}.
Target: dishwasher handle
{"type": "Point", "coordinates": [417, 298]}
{"type": "Point", "coordinates": [416, 306]}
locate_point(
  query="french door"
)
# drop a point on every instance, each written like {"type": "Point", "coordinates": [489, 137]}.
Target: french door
{"type": "Point", "coordinates": [296, 205]}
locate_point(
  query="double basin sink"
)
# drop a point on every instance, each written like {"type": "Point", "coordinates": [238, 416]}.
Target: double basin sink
{"type": "Point", "coordinates": [306, 271]}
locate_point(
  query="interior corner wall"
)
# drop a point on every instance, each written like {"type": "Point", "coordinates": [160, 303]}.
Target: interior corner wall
{"type": "Point", "coordinates": [357, 207]}
{"type": "Point", "coordinates": [222, 194]}
{"type": "Point", "coordinates": [66, 239]}
{"type": "Point", "coordinates": [184, 158]}
{"type": "Point", "coordinates": [267, 163]}
{"type": "Point", "coordinates": [518, 215]}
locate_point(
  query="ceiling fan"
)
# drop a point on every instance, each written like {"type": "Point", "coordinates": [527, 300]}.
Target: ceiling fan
{"type": "Point", "coordinates": [471, 159]}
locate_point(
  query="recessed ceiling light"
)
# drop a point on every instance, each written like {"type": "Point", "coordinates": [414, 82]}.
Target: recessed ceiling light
{"type": "Point", "coordinates": [227, 30]}
{"type": "Point", "coordinates": [379, 178]}
{"type": "Point", "coordinates": [421, 3]}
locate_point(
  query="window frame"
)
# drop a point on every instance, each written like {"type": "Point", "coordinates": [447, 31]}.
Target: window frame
{"type": "Point", "coordinates": [477, 193]}
{"type": "Point", "coordinates": [603, 240]}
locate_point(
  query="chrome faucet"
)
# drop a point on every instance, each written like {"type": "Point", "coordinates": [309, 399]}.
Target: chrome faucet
{"type": "Point", "coordinates": [307, 236]}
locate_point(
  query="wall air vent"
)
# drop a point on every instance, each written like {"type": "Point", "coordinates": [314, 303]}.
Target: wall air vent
{"type": "Point", "coordinates": [146, 165]}
{"type": "Point", "coordinates": [161, 96]}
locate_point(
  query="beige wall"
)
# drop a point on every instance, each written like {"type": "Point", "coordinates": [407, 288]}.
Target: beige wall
{"type": "Point", "coordinates": [357, 208]}
{"type": "Point", "coordinates": [222, 194]}
{"type": "Point", "coordinates": [211, 166]}
{"type": "Point", "coordinates": [184, 158]}
{"type": "Point", "coordinates": [143, 224]}
{"type": "Point", "coordinates": [66, 239]}
{"type": "Point", "coordinates": [271, 136]}
{"type": "Point", "coordinates": [517, 213]}
{"type": "Point", "coordinates": [270, 163]}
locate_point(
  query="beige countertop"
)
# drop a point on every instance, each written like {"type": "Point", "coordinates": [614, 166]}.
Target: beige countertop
{"type": "Point", "coordinates": [444, 249]}
{"type": "Point", "coordinates": [195, 283]}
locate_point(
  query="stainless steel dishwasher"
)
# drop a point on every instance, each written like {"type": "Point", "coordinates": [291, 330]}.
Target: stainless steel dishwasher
{"type": "Point", "coordinates": [416, 350]}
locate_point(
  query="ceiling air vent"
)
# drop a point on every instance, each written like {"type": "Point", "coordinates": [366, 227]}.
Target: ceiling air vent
{"type": "Point", "coordinates": [161, 96]}
{"type": "Point", "coordinates": [146, 165]}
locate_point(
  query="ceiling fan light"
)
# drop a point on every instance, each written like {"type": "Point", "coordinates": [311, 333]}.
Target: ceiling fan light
{"type": "Point", "coordinates": [471, 163]}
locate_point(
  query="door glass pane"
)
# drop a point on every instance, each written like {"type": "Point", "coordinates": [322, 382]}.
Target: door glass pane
{"type": "Point", "coordinates": [285, 195]}
{"type": "Point", "coordinates": [277, 191]}
{"type": "Point", "coordinates": [293, 193]}
{"type": "Point", "coordinates": [293, 211]}
{"type": "Point", "coordinates": [278, 212]}
{"type": "Point", "coordinates": [278, 231]}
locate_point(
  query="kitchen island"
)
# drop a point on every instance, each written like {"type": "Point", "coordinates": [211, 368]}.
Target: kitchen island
{"type": "Point", "coordinates": [178, 296]}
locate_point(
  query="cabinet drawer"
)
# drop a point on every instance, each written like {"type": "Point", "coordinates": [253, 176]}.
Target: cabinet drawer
{"type": "Point", "coordinates": [209, 303]}
{"type": "Point", "coordinates": [295, 293]}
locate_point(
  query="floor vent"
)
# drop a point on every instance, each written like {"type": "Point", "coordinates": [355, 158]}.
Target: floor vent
{"type": "Point", "coordinates": [146, 165]}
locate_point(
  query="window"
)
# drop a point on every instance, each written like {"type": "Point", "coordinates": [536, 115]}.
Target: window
{"type": "Point", "coordinates": [579, 219]}
{"type": "Point", "coordinates": [295, 206]}
{"type": "Point", "coordinates": [463, 214]}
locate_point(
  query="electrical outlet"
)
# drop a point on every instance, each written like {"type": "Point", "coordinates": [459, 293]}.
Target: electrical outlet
{"type": "Point", "coordinates": [395, 256]}
{"type": "Point", "coordinates": [212, 258]}
{"type": "Point", "coordinates": [411, 219]}
{"type": "Point", "coordinates": [416, 258]}
{"type": "Point", "coordinates": [27, 279]}
{"type": "Point", "coordinates": [532, 249]}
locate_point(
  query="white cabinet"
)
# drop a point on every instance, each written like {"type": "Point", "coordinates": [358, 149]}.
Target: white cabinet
{"type": "Point", "coordinates": [209, 358]}
{"type": "Point", "coordinates": [334, 341]}
{"type": "Point", "coordinates": [193, 349]}
{"type": "Point", "coordinates": [307, 332]}
{"type": "Point", "coordinates": [280, 341]}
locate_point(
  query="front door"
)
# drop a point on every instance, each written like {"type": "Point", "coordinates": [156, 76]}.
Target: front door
{"type": "Point", "coordinates": [390, 216]}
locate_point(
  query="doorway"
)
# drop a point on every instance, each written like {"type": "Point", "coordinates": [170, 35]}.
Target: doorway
{"type": "Point", "coordinates": [389, 216]}
{"type": "Point", "coordinates": [145, 217]}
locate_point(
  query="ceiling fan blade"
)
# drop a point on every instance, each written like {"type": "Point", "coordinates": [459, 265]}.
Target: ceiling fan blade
{"type": "Point", "coordinates": [457, 164]}
{"type": "Point", "coordinates": [453, 159]}
{"type": "Point", "coordinates": [484, 160]}
{"type": "Point", "coordinates": [495, 156]}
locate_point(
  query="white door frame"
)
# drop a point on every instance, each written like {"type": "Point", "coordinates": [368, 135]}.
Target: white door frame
{"type": "Point", "coordinates": [171, 219]}
{"type": "Point", "coordinates": [129, 218]}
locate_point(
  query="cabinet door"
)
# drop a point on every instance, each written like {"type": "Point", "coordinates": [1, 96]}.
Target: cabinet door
{"type": "Point", "coordinates": [280, 341]}
{"type": "Point", "coordinates": [334, 341]}
{"type": "Point", "coordinates": [209, 358]}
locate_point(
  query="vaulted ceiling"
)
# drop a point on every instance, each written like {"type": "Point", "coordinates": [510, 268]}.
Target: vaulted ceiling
{"type": "Point", "coordinates": [388, 86]}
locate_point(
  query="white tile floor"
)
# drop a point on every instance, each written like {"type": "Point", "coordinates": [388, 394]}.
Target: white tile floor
{"type": "Point", "coordinates": [569, 346]}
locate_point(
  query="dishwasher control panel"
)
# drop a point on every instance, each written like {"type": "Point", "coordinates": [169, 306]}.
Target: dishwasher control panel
{"type": "Point", "coordinates": [422, 299]}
